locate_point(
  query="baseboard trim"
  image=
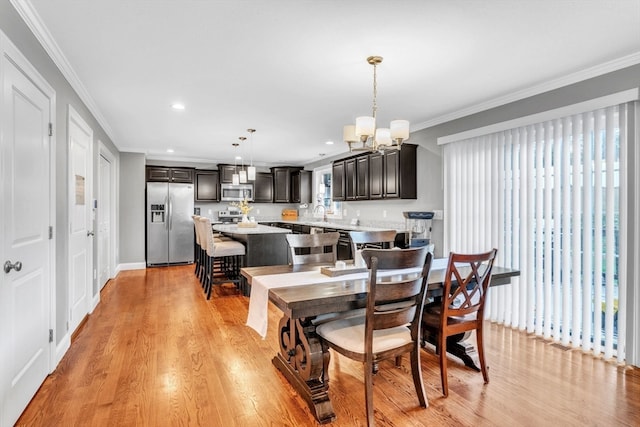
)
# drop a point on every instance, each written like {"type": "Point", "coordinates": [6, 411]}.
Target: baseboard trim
{"type": "Point", "coordinates": [61, 349]}
{"type": "Point", "coordinates": [131, 266]}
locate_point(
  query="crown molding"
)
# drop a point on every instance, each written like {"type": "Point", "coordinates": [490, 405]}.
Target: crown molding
{"type": "Point", "coordinates": [29, 15]}
{"type": "Point", "coordinates": [598, 70]}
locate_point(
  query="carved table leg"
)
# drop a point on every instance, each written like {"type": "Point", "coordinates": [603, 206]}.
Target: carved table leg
{"type": "Point", "coordinates": [461, 347]}
{"type": "Point", "coordinates": [301, 360]}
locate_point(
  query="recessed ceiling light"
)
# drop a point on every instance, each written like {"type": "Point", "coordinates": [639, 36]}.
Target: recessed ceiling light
{"type": "Point", "coordinates": [329, 142]}
{"type": "Point", "coordinates": [177, 106]}
{"type": "Point", "coordinates": [169, 150]}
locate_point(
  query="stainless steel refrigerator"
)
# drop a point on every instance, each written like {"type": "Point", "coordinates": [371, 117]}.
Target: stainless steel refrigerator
{"type": "Point", "coordinates": [169, 224]}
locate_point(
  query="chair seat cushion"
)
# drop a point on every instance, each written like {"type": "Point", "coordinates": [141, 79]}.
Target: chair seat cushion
{"type": "Point", "coordinates": [229, 248]}
{"type": "Point", "coordinates": [349, 334]}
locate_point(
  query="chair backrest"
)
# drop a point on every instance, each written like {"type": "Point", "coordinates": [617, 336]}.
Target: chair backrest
{"type": "Point", "coordinates": [313, 248]}
{"type": "Point", "coordinates": [196, 225]}
{"type": "Point", "coordinates": [363, 239]}
{"type": "Point", "coordinates": [395, 300]}
{"type": "Point", "coordinates": [465, 284]}
{"type": "Point", "coordinates": [206, 235]}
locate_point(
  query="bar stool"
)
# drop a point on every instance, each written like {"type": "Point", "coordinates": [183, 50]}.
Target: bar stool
{"type": "Point", "coordinates": [223, 259]}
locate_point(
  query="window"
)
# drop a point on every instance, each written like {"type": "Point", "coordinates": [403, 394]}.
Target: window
{"type": "Point", "coordinates": [323, 202]}
{"type": "Point", "coordinates": [548, 196]}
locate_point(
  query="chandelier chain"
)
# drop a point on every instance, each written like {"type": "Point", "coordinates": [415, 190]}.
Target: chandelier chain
{"type": "Point", "coordinates": [375, 88]}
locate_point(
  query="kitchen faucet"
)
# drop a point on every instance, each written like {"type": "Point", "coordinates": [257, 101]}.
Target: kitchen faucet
{"type": "Point", "coordinates": [320, 209]}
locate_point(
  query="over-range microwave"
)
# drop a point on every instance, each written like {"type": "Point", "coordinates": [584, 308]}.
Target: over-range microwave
{"type": "Point", "coordinates": [236, 192]}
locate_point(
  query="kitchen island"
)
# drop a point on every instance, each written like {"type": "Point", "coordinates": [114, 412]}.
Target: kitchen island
{"type": "Point", "coordinates": [264, 245]}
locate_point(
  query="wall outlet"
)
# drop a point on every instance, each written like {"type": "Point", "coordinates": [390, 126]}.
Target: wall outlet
{"type": "Point", "coordinates": [358, 212]}
{"type": "Point", "coordinates": [257, 211]}
{"type": "Point", "coordinates": [438, 215]}
{"type": "Point", "coordinates": [384, 213]}
{"type": "Point", "coordinates": [210, 211]}
{"type": "Point", "coordinates": [344, 212]}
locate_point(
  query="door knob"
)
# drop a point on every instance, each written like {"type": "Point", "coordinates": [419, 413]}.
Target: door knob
{"type": "Point", "coordinates": [8, 266]}
{"type": "Point", "coordinates": [90, 233]}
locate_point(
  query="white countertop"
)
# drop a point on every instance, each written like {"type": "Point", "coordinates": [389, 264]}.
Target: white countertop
{"type": "Point", "coordinates": [259, 229]}
{"type": "Point", "coordinates": [338, 226]}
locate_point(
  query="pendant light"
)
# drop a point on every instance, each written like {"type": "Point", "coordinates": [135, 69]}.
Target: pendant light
{"type": "Point", "coordinates": [235, 178]}
{"type": "Point", "coordinates": [243, 173]}
{"type": "Point", "coordinates": [251, 170]}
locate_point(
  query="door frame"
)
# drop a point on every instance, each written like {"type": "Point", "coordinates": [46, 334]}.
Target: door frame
{"type": "Point", "coordinates": [103, 151]}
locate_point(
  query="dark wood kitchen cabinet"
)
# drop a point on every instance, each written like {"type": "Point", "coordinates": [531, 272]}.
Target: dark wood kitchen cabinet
{"type": "Point", "coordinates": [281, 184]}
{"type": "Point", "coordinates": [226, 173]}
{"type": "Point", "coordinates": [400, 173]}
{"type": "Point", "coordinates": [291, 185]}
{"type": "Point", "coordinates": [207, 186]}
{"type": "Point", "coordinates": [263, 188]}
{"type": "Point", "coordinates": [362, 178]}
{"type": "Point", "coordinates": [301, 186]}
{"type": "Point", "coordinates": [165, 174]}
{"type": "Point", "coordinates": [376, 176]}
{"type": "Point", "coordinates": [350, 179]}
{"type": "Point", "coordinates": [337, 181]}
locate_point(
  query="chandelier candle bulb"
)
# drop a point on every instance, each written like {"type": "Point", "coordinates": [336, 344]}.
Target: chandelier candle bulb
{"type": "Point", "coordinates": [365, 127]}
{"type": "Point", "coordinates": [349, 133]}
{"type": "Point", "coordinates": [399, 130]}
{"type": "Point", "coordinates": [383, 136]}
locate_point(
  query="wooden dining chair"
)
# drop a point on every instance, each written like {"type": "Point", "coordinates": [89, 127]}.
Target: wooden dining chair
{"type": "Point", "coordinates": [391, 324]}
{"type": "Point", "coordinates": [372, 239]}
{"type": "Point", "coordinates": [320, 248]}
{"type": "Point", "coordinates": [461, 309]}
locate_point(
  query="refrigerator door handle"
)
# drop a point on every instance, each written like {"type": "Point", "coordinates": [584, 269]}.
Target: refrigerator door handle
{"type": "Point", "coordinates": [170, 212]}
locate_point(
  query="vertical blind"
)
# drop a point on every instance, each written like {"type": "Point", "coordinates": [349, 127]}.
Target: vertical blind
{"type": "Point", "coordinates": [552, 198]}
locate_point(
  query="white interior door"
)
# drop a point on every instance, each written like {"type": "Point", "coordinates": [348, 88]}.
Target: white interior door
{"type": "Point", "coordinates": [80, 219]}
{"type": "Point", "coordinates": [105, 221]}
{"type": "Point", "coordinates": [26, 249]}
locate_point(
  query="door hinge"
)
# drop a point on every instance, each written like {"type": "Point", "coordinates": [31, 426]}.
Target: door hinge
{"type": "Point", "coordinates": [50, 129]}
{"type": "Point", "coordinates": [50, 232]}
{"type": "Point", "coordinates": [50, 335]}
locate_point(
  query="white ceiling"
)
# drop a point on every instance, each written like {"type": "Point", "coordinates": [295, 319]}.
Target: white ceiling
{"type": "Point", "coordinates": [296, 70]}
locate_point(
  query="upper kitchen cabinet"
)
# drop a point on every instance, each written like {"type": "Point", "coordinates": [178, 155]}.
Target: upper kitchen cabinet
{"type": "Point", "coordinates": [163, 174]}
{"type": "Point", "coordinates": [291, 185]}
{"type": "Point", "coordinates": [207, 186]}
{"type": "Point", "coordinates": [376, 175]}
{"type": "Point", "coordinates": [281, 184]}
{"type": "Point", "coordinates": [350, 179]}
{"type": "Point", "coordinates": [400, 173]}
{"type": "Point", "coordinates": [337, 181]}
{"type": "Point", "coordinates": [226, 173]}
{"type": "Point", "coordinates": [263, 186]}
{"type": "Point", "coordinates": [362, 181]}
{"type": "Point", "coordinates": [301, 186]}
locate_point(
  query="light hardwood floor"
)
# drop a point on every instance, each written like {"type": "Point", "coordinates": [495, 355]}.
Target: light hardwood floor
{"type": "Point", "coordinates": [156, 352]}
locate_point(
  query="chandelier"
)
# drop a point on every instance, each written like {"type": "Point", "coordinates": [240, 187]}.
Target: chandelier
{"type": "Point", "coordinates": [365, 132]}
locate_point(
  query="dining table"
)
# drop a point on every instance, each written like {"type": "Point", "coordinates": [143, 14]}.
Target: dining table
{"type": "Point", "coordinates": [310, 294]}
